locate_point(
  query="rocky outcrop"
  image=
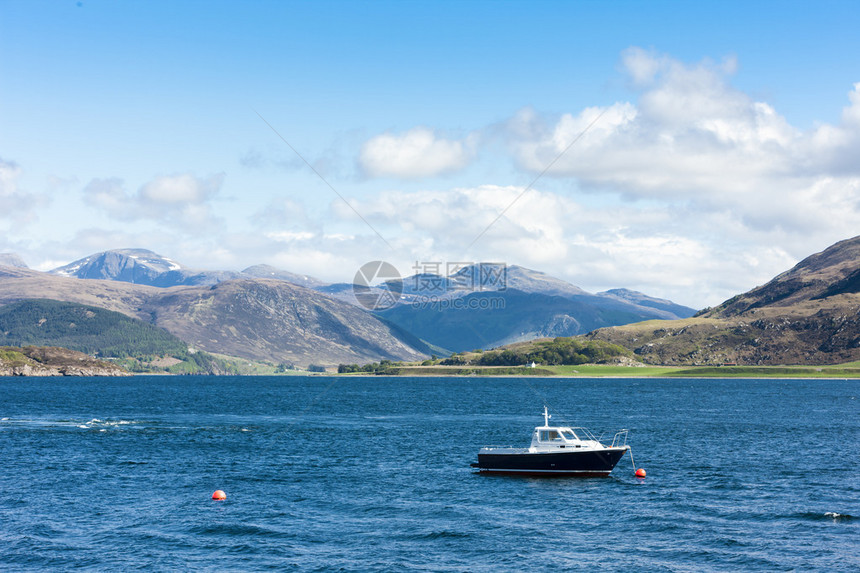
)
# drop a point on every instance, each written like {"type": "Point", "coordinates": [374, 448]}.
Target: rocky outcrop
{"type": "Point", "coordinates": [53, 361]}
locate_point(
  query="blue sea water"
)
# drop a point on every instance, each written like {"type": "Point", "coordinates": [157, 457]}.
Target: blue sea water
{"type": "Point", "coordinates": [372, 474]}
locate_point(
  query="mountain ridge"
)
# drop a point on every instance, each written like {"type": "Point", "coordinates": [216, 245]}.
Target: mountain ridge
{"type": "Point", "coordinates": [142, 266]}
{"type": "Point", "coordinates": [833, 271]}
{"type": "Point", "coordinates": [484, 307]}
{"type": "Point", "coordinates": [235, 318]}
{"type": "Point", "coordinates": [530, 304]}
{"type": "Point", "coordinates": [809, 314]}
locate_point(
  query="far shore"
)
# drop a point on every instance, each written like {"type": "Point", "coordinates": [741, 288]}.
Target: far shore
{"type": "Point", "coordinates": [837, 371]}
{"type": "Point", "coordinates": [824, 372]}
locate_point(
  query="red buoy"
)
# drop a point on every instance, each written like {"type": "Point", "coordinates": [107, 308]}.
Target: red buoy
{"type": "Point", "coordinates": [640, 473]}
{"type": "Point", "coordinates": [219, 494]}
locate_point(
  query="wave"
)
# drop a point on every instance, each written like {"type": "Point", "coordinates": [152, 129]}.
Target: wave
{"type": "Point", "coordinates": [826, 516]}
{"type": "Point", "coordinates": [443, 534]}
{"type": "Point", "coordinates": [104, 425]}
{"type": "Point", "coordinates": [91, 424]}
{"type": "Point", "coordinates": [239, 529]}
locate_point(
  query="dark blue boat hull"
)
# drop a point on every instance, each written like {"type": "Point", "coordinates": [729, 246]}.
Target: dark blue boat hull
{"type": "Point", "coordinates": [591, 463]}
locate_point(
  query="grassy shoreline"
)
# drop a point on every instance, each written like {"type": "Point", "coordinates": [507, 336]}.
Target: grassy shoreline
{"type": "Point", "coordinates": [849, 370]}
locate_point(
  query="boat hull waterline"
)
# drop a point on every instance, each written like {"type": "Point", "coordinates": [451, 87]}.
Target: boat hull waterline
{"type": "Point", "coordinates": [583, 464]}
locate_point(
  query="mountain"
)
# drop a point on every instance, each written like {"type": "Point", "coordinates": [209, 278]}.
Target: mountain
{"type": "Point", "coordinates": [140, 266]}
{"type": "Point", "coordinates": [137, 345]}
{"type": "Point", "coordinates": [477, 278]}
{"type": "Point", "coordinates": [262, 319]}
{"type": "Point", "coordinates": [528, 280]}
{"type": "Point", "coordinates": [491, 319]}
{"type": "Point", "coordinates": [643, 300]}
{"type": "Point", "coordinates": [144, 267]}
{"type": "Point", "coordinates": [12, 260]}
{"type": "Point", "coordinates": [476, 306]}
{"type": "Point", "coordinates": [485, 307]}
{"type": "Point", "coordinates": [485, 277]}
{"type": "Point", "coordinates": [809, 314]}
{"type": "Point", "coordinates": [832, 272]}
{"type": "Point", "coordinates": [257, 319]}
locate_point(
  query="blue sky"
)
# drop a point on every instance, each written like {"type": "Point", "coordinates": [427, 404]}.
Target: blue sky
{"type": "Point", "coordinates": [723, 152]}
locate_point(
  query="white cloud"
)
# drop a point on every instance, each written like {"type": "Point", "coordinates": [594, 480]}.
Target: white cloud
{"type": "Point", "coordinates": [9, 174]}
{"type": "Point", "coordinates": [692, 190]}
{"type": "Point", "coordinates": [690, 134]}
{"type": "Point", "coordinates": [417, 153]}
{"type": "Point", "coordinates": [180, 189]}
{"type": "Point", "coordinates": [179, 200]}
{"type": "Point", "coordinates": [693, 139]}
{"type": "Point", "coordinates": [290, 236]}
{"type": "Point", "coordinates": [16, 205]}
{"type": "Point", "coordinates": [691, 257]}
{"type": "Point", "coordinates": [851, 114]}
{"type": "Point", "coordinates": [110, 195]}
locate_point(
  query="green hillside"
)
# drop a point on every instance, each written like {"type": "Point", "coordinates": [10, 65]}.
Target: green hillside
{"type": "Point", "coordinates": [558, 351]}
{"type": "Point", "coordinates": [132, 343]}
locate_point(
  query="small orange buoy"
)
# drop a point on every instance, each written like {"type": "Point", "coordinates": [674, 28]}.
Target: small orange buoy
{"type": "Point", "coordinates": [219, 494]}
{"type": "Point", "coordinates": [640, 473]}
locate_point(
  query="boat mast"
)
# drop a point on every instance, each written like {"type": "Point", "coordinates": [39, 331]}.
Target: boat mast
{"type": "Point", "coordinates": [545, 416]}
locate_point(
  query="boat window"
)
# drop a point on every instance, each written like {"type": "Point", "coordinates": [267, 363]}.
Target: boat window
{"type": "Point", "coordinates": [549, 436]}
{"type": "Point", "coordinates": [568, 435]}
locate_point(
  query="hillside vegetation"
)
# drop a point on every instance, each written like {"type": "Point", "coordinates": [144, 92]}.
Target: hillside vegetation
{"type": "Point", "coordinates": [132, 343]}
{"type": "Point", "coordinates": [557, 352]}
{"type": "Point", "coordinates": [545, 352]}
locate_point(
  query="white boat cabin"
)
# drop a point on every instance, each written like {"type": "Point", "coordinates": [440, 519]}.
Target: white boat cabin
{"type": "Point", "coordinates": [549, 438]}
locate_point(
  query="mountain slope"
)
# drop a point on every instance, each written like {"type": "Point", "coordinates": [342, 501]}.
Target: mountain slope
{"type": "Point", "coordinates": [490, 319]}
{"type": "Point", "coordinates": [264, 318]}
{"type": "Point", "coordinates": [256, 319]}
{"type": "Point", "coordinates": [139, 346]}
{"type": "Point", "coordinates": [643, 300]}
{"type": "Point", "coordinates": [485, 307]}
{"type": "Point", "coordinates": [809, 314]}
{"type": "Point", "coordinates": [89, 329]}
{"type": "Point", "coordinates": [834, 271]}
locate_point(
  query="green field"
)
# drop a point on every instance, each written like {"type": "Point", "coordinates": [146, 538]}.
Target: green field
{"type": "Point", "coordinates": [848, 370]}
{"type": "Point", "coordinates": [597, 370]}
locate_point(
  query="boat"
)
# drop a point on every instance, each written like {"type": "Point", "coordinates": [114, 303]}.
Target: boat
{"type": "Point", "coordinates": [555, 451]}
